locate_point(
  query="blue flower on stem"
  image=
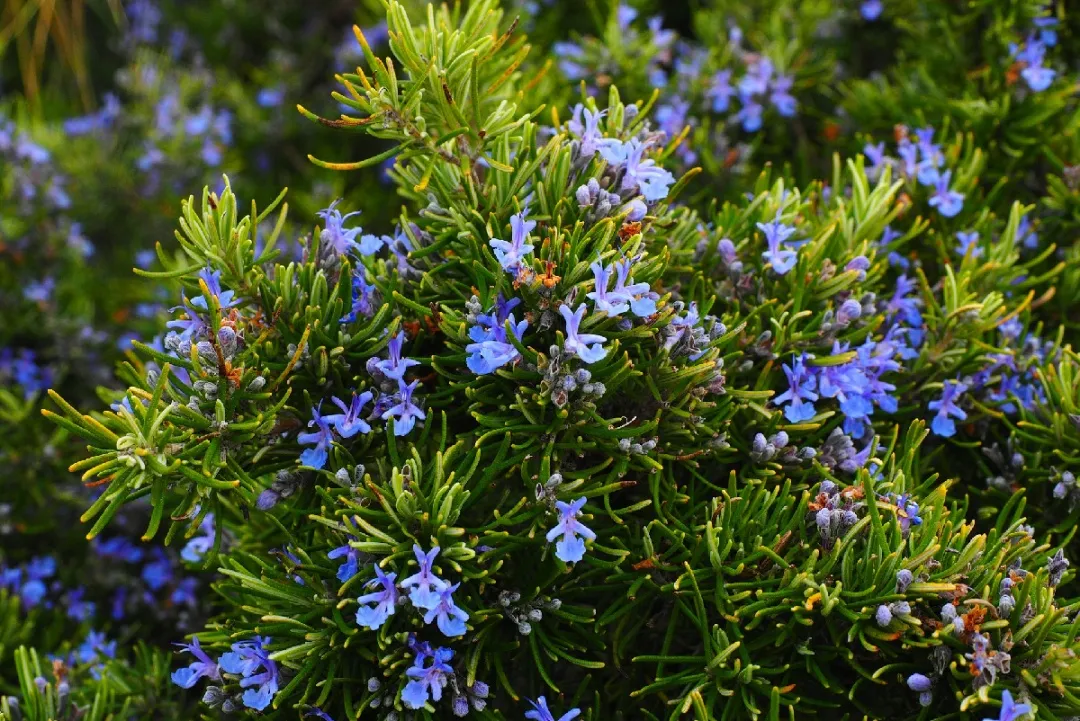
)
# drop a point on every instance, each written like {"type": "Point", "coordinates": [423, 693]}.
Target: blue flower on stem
{"type": "Point", "coordinates": [449, 617]}
{"type": "Point", "coordinates": [720, 91]}
{"type": "Point", "coordinates": [335, 235]}
{"type": "Point", "coordinates": [322, 437]}
{"type": "Point", "coordinates": [212, 280]}
{"type": "Point", "coordinates": [907, 512]}
{"type": "Point", "coordinates": [350, 565]}
{"type": "Point", "coordinates": [571, 546]}
{"type": "Point", "coordinates": [639, 173]}
{"type": "Point", "coordinates": [405, 413]}
{"type": "Point", "coordinates": [1010, 710]}
{"type": "Point", "coordinates": [948, 202]}
{"type": "Point", "coordinates": [801, 388]}
{"type": "Point", "coordinates": [384, 600]}
{"type": "Point", "coordinates": [511, 254]}
{"type": "Point", "coordinates": [871, 9]}
{"type": "Point", "coordinates": [587, 346]}
{"type": "Point", "coordinates": [425, 585]}
{"type": "Point", "coordinates": [781, 96]}
{"type": "Point", "coordinates": [202, 667]}
{"type": "Point", "coordinates": [427, 681]}
{"type": "Point", "coordinates": [585, 123]}
{"type": "Point", "coordinates": [968, 241]}
{"type": "Point", "coordinates": [641, 299]}
{"type": "Point", "coordinates": [348, 423]}
{"type": "Point", "coordinates": [943, 424]}
{"type": "Point", "coordinates": [394, 366]}
{"type": "Point", "coordinates": [491, 347]}
{"type": "Point", "coordinates": [363, 298]}
{"type": "Point", "coordinates": [541, 712]}
{"type": "Point", "coordinates": [875, 154]}
{"type": "Point", "coordinates": [244, 660]}
{"type": "Point", "coordinates": [199, 544]}
{"type": "Point", "coordinates": [782, 259]}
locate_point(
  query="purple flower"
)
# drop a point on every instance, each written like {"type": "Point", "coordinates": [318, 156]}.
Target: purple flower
{"type": "Point", "coordinates": [198, 545]}
{"type": "Point", "coordinates": [511, 254]}
{"type": "Point", "coordinates": [750, 114]}
{"type": "Point", "coordinates": [571, 547]}
{"type": "Point", "coordinates": [946, 406]}
{"type": "Point", "coordinates": [450, 619]}
{"type": "Point", "coordinates": [907, 511]}
{"type": "Point", "coordinates": [39, 291]}
{"type": "Point", "coordinates": [491, 348]}
{"type": "Point", "coordinates": [244, 660]}
{"type": "Point", "coordinates": [871, 9]}
{"type": "Point", "coordinates": [883, 615]}
{"type": "Point", "coordinates": [640, 174]}
{"type": "Point", "coordinates": [427, 681]}
{"type": "Point", "coordinates": [212, 279]}
{"type": "Point", "coordinates": [363, 298]}
{"type": "Point", "coordinates": [350, 565]}
{"type": "Point", "coordinates": [782, 259]}
{"type": "Point", "coordinates": [801, 387]}
{"type": "Point", "coordinates": [405, 413]}
{"type": "Point", "coordinates": [968, 241]}
{"type": "Point", "coordinates": [384, 600]}
{"type": "Point", "coordinates": [541, 712]}
{"type": "Point", "coordinates": [720, 91]}
{"type": "Point", "coordinates": [585, 123]}
{"type": "Point", "coordinates": [322, 437]}
{"type": "Point", "coordinates": [425, 585]}
{"type": "Point", "coordinates": [587, 346]}
{"type": "Point", "coordinates": [348, 423]}
{"type": "Point", "coordinates": [948, 202]}
{"type": "Point", "coordinates": [335, 235]}
{"type": "Point", "coordinates": [641, 299]}
{"type": "Point", "coordinates": [875, 154]}
{"type": "Point", "coordinates": [394, 366]}
{"type": "Point", "coordinates": [1010, 710]}
{"type": "Point", "coordinates": [202, 667]}
{"type": "Point", "coordinates": [918, 683]}
{"type": "Point", "coordinates": [781, 98]}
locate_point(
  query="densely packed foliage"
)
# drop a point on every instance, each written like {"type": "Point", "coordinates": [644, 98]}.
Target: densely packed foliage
{"type": "Point", "coordinates": [715, 365]}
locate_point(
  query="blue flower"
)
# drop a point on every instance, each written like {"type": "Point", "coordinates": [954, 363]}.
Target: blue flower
{"type": "Point", "coordinates": [1010, 710]}
{"type": "Point", "coordinates": [639, 174]}
{"type": "Point", "coordinates": [587, 346]}
{"type": "Point", "coordinates": [348, 423]}
{"type": "Point", "coordinates": [335, 235]}
{"type": "Point", "coordinates": [875, 154]}
{"type": "Point", "coordinates": [158, 572]}
{"type": "Point", "coordinates": [1026, 235]}
{"type": "Point", "coordinates": [948, 202]}
{"type": "Point", "coordinates": [641, 299]}
{"type": "Point", "coordinates": [585, 123]}
{"type": "Point", "coordinates": [782, 259]}
{"type": "Point", "coordinates": [202, 667]}
{"type": "Point", "coordinates": [750, 114]}
{"type": "Point", "coordinates": [511, 254]}
{"type": "Point", "coordinates": [39, 291]}
{"type": "Point", "coordinates": [384, 599]}
{"type": "Point", "coordinates": [350, 565]}
{"type": "Point", "coordinates": [244, 660]}
{"type": "Point", "coordinates": [780, 96]}
{"type": "Point", "coordinates": [363, 298]}
{"type": "Point", "coordinates": [491, 348]}
{"type": "Point", "coordinates": [425, 585]}
{"type": "Point", "coordinates": [801, 387]}
{"type": "Point", "coordinates": [77, 608]}
{"type": "Point", "coordinates": [394, 366]}
{"type": "Point", "coordinates": [450, 619]}
{"type": "Point", "coordinates": [571, 546]}
{"type": "Point", "coordinates": [907, 512]}
{"type": "Point", "coordinates": [946, 406]}
{"type": "Point", "coordinates": [720, 91]}
{"type": "Point", "coordinates": [427, 681]}
{"type": "Point", "coordinates": [541, 712]}
{"type": "Point", "coordinates": [405, 413]}
{"type": "Point", "coordinates": [968, 241]}
{"type": "Point", "coordinates": [201, 543]}
{"type": "Point", "coordinates": [611, 304]}
{"type": "Point", "coordinates": [212, 280]}
{"type": "Point", "coordinates": [932, 158]}
{"type": "Point", "coordinates": [871, 9]}
{"type": "Point", "coordinates": [183, 593]}
{"type": "Point", "coordinates": [322, 437]}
